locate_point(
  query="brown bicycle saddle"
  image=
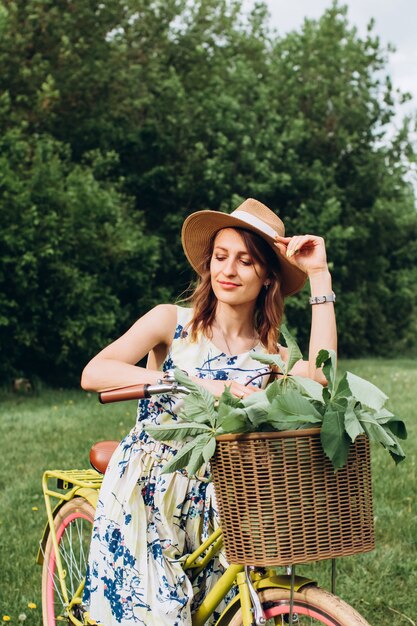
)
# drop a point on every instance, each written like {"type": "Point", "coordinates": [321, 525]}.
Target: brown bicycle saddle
{"type": "Point", "coordinates": [100, 454]}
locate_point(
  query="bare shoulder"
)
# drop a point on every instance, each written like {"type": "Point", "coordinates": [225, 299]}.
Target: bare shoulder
{"type": "Point", "coordinates": [164, 313]}
{"type": "Point", "coordinates": [160, 322]}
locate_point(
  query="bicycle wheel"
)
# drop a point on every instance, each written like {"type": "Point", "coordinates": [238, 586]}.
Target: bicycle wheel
{"type": "Point", "coordinates": [312, 606]}
{"type": "Point", "coordinates": [73, 526]}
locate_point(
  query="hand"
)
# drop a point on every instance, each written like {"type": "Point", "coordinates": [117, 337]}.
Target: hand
{"type": "Point", "coordinates": [216, 387]}
{"type": "Point", "coordinates": [307, 252]}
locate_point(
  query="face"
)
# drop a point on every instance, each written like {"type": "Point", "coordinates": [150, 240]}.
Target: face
{"type": "Point", "coordinates": [235, 277]}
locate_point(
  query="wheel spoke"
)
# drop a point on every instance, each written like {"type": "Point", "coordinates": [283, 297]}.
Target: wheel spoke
{"type": "Point", "coordinates": [73, 525]}
{"type": "Point", "coordinates": [54, 579]}
{"type": "Point", "coordinates": [71, 549]}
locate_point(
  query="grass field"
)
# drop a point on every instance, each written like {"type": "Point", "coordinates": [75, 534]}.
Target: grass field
{"type": "Point", "coordinates": [54, 429]}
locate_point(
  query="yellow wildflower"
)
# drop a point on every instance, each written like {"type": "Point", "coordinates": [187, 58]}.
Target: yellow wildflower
{"type": "Point", "coordinates": [6, 618]}
{"type": "Point", "coordinates": [31, 605]}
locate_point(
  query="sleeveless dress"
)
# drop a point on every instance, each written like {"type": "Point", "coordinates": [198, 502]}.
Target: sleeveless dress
{"type": "Point", "coordinates": [146, 522]}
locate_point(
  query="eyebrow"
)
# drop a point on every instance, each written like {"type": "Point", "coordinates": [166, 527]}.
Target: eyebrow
{"type": "Point", "coordinates": [240, 252]}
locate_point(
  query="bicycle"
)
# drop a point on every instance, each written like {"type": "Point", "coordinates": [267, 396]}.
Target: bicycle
{"type": "Point", "coordinates": [262, 596]}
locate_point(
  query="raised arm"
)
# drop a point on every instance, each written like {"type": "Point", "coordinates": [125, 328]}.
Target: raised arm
{"type": "Point", "coordinates": [308, 253]}
{"type": "Point", "coordinates": [116, 365]}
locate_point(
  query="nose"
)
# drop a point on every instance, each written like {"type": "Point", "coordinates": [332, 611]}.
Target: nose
{"type": "Point", "coordinates": [229, 268]}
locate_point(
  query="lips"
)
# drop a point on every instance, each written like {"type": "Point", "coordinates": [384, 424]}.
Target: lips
{"type": "Point", "coordinates": [227, 285]}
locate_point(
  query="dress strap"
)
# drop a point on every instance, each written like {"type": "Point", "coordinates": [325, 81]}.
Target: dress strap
{"type": "Point", "coordinates": [184, 315]}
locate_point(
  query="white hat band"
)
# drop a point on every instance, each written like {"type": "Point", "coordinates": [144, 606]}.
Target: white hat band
{"type": "Point", "coordinates": [255, 221]}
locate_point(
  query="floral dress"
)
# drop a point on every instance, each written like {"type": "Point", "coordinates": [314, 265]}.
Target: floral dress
{"type": "Point", "coordinates": [146, 522]}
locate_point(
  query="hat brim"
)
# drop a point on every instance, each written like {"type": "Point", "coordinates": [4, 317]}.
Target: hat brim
{"type": "Point", "coordinates": [199, 228]}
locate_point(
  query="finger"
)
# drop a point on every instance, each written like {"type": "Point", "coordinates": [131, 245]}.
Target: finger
{"type": "Point", "coordinates": [281, 243]}
{"type": "Point", "coordinates": [294, 246]}
{"type": "Point", "coordinates": [300, 243]}
{"type": "Point", "coordinates": [281, 247]}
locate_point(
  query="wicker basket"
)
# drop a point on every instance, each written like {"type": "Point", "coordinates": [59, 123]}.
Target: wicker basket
{"type": "Point", "coordinates": [281, 502]}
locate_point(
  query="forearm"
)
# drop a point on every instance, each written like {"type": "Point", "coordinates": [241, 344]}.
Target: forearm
{"type": "Point", "coordinates": [323, 321]}
{"type": "Point", "coordinates": [102, 374]}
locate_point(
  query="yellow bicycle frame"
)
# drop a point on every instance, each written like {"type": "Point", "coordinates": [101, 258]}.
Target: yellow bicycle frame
{"type": "Point", "coordinates": [74, 483]}
{"type": "Point", "coordinates": [234, 574]}
{"type": "Point", "coordinates": [86, 484]}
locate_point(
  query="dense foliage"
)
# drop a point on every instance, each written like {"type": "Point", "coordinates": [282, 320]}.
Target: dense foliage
{"type": "Point", "coordinates": [119, 118]}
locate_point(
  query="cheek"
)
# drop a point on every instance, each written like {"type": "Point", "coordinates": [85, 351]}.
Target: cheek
{"type": "Point", "coordinates": [214, 270]}
{"type": "Point", "coordinates": [257, 278]}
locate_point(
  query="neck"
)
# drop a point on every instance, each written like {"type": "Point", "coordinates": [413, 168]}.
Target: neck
{"type": "Point", "coordinates": [235, 321]}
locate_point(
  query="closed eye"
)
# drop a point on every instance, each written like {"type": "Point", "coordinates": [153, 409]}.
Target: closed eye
{"type": "Point", "coordinates": [245, 262]}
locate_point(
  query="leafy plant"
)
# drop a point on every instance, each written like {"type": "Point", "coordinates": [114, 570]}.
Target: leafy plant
{"type": "Point", "coordinates": [343, 410]}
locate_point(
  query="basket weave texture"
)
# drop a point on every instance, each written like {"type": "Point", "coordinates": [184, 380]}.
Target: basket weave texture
{"type": "Point", "coordinates": [281, 502]}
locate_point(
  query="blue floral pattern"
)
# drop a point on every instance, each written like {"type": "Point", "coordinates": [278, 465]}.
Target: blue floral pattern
{"type": "Point", "coordinates": [147, 522]}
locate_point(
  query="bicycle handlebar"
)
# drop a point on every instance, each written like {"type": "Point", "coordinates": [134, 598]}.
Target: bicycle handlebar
{"type": "Point", "coordinates": [138, 392]}
{"type": "Point", "coordinates": [166, 385]}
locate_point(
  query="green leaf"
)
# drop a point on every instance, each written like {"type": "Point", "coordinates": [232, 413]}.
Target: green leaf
{"type": "Point", "coordinates": [294, 352]}
{"type": "Point", "coordinates": [197, 459]}
{"type": "Point", "coordinates": [293, 403]}
{"type": "Point", "coordinates": [195, 409]}
{"type": "Point", "coordinates": [367, 393]}
{"type": "Point", "coordinates": [228, 398]}
{"type": "Point", "coordinates": [183, 379]}
{"type": "Point", "coordinates": [209, 449]}
{"type": "Point", "coordinates": [394, 423]}
{"type": "Point", "coordinates": [397, 453]}
{"type": "Point", "coordinates": [256, 407]}
{"type": "Point", "coordinates": [310, 387]}
{"type": "Point", "coordinates": [342, 389]}
{"type": "Point", "coordinates": [232, 420]}
{"type": "Point", "coordinates": [382, 434]}
{"type": "Point", "coordinates": [180, 460]}
{"type": "Point", "coordinates": [291, 422]}
{"type": "Point", "coordinates": [376, 431]}
{"type": "Point", "coordinates": [326, 395]}
{"type": "Point", "coordinates": [290, 411]}
{"type": "Point", "coordinates": [352, 424]}
{"type": "Point", "coordinates": [334, 438]}
{"type": "Point", "coordinates": [271, 359]}
{"type": "Point", "coordinates": [199, 405]}
{"type": "Point", "coordinates": [176, 431]}
{"type": "Point", "coordinates": [275, 389]}
{"type": "Point", "coordinates": [327, 359]}
{"type": "Point", "coordinates": [195, 463]}
{"type": "Point", "coordinates": [384, 415]}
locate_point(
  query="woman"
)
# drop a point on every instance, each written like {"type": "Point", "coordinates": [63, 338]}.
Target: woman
{"type": "Point", "coordinates": [147, 522]}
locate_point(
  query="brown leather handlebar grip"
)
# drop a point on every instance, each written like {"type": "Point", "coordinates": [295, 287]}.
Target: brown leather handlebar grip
{"type": "Point", "coordinates": [134, 392]}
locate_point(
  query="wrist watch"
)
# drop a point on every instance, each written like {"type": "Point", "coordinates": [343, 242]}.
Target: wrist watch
{"type": "Point", "coordinates": [322, 299]}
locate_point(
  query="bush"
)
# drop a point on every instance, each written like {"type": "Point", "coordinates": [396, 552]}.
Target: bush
{"type": "Point", "coordinates": [77, 264]}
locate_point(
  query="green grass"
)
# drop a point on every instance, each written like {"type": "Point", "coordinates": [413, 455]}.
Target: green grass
{"type": "Point", "coordinates": [54, 429]}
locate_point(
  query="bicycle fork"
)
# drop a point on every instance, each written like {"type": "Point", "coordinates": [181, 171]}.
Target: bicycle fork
{"type": "Point", "coordinates": [250, 602]}
{"type": "Point", "coordinates": [252, 611]}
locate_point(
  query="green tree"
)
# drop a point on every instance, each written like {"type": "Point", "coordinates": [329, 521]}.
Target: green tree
{"type": "Point", "coordinates": [146, 111]}
{"type": "Point", "coordinates": [346, 176]}
{"type": "Point", "coordinates": [76, 266]}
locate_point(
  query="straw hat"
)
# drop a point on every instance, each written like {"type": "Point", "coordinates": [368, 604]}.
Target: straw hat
{"type": "Point", "coordinates": [199, 228]}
